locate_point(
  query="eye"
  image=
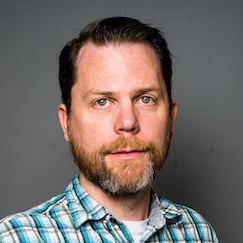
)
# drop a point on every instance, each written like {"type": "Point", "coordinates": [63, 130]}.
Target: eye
{"type": "Point", "coordinates": [146, 100]}
{"type": "Point", "coordinates": [101, 102]}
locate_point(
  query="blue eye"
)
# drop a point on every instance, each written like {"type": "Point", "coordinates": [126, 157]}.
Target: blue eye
{"type": "Point", "coordinates": [101, 102]}
{"type": "Point", "coordinates": [146, 99]}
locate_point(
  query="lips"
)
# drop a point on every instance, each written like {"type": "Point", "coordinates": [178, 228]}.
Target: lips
{"type": "Point", "coordinates": [128, 154]}
{"type": "Point", "coordinates": [126, 151]}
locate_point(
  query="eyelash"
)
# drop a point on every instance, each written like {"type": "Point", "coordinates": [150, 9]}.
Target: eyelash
{"type": "Point", "coordinates": [145, 100]}
{"type": "Point", "coordinates": [97, 102]}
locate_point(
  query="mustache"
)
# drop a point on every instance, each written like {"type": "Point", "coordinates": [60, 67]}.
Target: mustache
{"type": "Point", "coordinates": [122, 143]}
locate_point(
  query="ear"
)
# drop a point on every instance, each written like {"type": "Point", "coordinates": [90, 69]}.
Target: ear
{"type": "Point", "coordinates": [173, 112]}
{"type": "Point", "coordinates": [63, 119]}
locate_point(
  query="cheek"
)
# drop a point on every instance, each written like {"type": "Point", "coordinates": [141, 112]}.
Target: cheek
{"type": "Point", "coordinates": [91, 133]}
{"type": "Point", "coordinates": [156, 130]}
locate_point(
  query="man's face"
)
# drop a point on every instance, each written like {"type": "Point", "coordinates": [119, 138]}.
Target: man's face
{"type": "Point", "coordinates": [120, 124]}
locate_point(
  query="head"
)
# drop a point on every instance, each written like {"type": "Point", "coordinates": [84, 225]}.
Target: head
{"type": "Point", "coordinates": [117, 112]}
{"type": "Point", "coordinates": [112, 30]}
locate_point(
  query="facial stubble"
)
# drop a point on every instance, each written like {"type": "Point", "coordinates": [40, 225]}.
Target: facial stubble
{"type": "Point", "coordinates": [93, 165]}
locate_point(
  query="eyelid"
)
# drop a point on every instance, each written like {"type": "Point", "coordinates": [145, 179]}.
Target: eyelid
{"type": "Point", "coordinates": [151, 101]}
{"type": "Point", "coordinates": [153, 97]}
{"type": "Point", "coordinates": [96, 100]}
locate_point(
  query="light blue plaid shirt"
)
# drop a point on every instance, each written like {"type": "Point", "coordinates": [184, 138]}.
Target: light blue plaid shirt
{"type": "Point", "coordinates": [75, 217]}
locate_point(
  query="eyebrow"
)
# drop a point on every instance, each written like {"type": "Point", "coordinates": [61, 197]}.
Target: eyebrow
{"type": "Point", "coordinates": [149, 89]}
{"type": "Point", "coordinates": [110, 93]}
{"type": "Point", "coordinates": [97, 92]}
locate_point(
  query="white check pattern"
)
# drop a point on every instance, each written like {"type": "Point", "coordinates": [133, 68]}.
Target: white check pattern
{"type": "Point", "coordinates": [75, 217]}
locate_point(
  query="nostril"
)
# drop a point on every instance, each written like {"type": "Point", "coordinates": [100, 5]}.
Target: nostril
{"type": "Point", "coordinates": [126, 119]}
{"type": "Point", "coordinates": [129, 129]}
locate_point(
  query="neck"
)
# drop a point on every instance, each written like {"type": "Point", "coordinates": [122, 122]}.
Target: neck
{"type": "Point", "coordinates": [133, 207]}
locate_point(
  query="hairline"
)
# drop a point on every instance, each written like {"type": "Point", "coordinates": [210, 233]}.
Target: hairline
{"type": "Point", "coordinates": [116, 43]}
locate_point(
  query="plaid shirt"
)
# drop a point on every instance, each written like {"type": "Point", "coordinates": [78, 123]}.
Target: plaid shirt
{"type": "Point", "coordinates": [75, 217]}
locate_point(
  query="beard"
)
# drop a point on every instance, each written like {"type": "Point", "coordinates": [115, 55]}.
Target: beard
{"type": "Point", "coordinates": [126, 177]}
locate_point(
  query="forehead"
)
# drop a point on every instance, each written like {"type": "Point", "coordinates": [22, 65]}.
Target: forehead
{"type": "Point", "coordinates": [91, 50]}
{"type": "Point", "coordinates": [117, 64]}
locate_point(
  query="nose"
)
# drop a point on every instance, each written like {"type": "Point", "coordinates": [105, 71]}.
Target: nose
{"type": "Point", "coordinates": [126, 121]}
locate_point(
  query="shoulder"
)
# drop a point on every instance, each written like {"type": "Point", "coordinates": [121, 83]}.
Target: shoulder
{"type": "Point", "coordinates": [174, 210]}
{"type": "Point", "coordinates": [28, 224]}
{"type": "Point", "coordinates": [188, 219]}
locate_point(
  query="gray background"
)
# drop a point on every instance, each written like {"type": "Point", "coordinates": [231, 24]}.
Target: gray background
{"type": "Point", "coordinates": [204, 169]}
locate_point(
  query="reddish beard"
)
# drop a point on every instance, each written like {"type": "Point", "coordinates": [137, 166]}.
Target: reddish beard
{"type": "Point", "coordinates": [93, 165]}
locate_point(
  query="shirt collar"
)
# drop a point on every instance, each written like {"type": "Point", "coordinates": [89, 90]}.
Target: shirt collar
{"type": "Point", "coordinates": [162, 211]}
{"type": "Point", "coordinates": [83, 208]}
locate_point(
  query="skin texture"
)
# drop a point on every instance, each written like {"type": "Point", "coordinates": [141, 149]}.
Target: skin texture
{"type": "Point", "coordinates": [120, 122]}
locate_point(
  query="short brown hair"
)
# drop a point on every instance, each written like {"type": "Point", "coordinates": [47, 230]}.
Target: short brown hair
{"type": "Point", "coordinates": [108, 30]}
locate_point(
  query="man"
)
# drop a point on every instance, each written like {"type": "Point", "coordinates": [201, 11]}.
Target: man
{"type": "Point", "coordinates": [117, 115]}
